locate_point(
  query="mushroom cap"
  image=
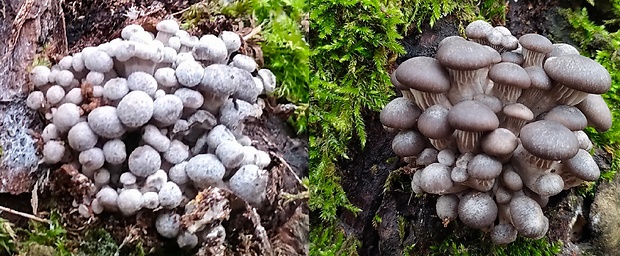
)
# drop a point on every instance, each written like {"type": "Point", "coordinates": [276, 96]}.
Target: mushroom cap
{"type": "Point", "coordinates": [583, 166]}
{"type": "Point", "coordinates": [170, 195]}
{"type": "Point", "coordinates": [396, 83]}
{"type": "Point", "coordinates": [40, 75]}
{"type": "Point", "coordinates": [53, 151]}
{"type": "Point", "coordinates": [527, 217]}
{"type": "Point", "coordinates": [433, 123]}
{"type": "Point", "coordinates": [177, 152]}
{"type": "Point", "coordinates": [400, 113]}
{"type": "Point", "coordinates": [92, 159]}
{"type": "Point", "coordinates": [569, 116]}
{"type": "Point", "coordinates": [596, 111]}
{"type": "Point", "coordinates": [66, 116]}
{"type": "Point", "coordinates": [129, 201]}
{"type": "Point", "coordinates": [511, 179]}
{"type": "Point", "coordinates": [114, 151]}
{"type": "Point", "coordinates": [81, 137]}
{"type": "Point", "coordinates": [511, 74]}
{"type": "Point", "coordinates": [408, 143]}
{"type": "Point", "coordinates": [97, 60]}
{"type": "Point", "coordinates": [490, 101]}
{"type": "Point", "coordinates": [115, 88]}
{"type": "Point", "coordinates": [579, 73]}
{"type": "Point", "coordinates": [107, 197]}
{"type": "Point", "coordinates": [447, 207]}
{"type": "Point", "coordinates": [538, 78]}
{"type": "Point", "coordinates": [459, 174]}
{"type": "Point", "coordinates": [249, 183]}
{"type": "Point", "coordinates": [484, 167]}
{"type": "Point", "coordinates": [512, 57]}
{"type": "Point", "coordinates": [478, 29]}
{"type": "Point", "coordinates": [168, 224]}
{"type": "Point", "coordinates": [168, 26]}
{"type": "Point", "coordinates": [549, 184]}
{"type": "Point", "coordinates": [205, 170]}
{"type": "Point", "coordinates": [499, 142]}
{"type": "Point", "coordinates": [189, 73]}
{"type": "Point", "coordinates": [472, 116]}
{"type": "Point", "coordinates": [135, 109]}
{"type": "Point", "coordinates": [35, 100]}
{"type": "Point", "coordinates": [144, 161]}
{"type": "Point", "coordinates": [167, 109]}
{"type": "Point", "coordinates": [177, 173]}
{"type": "Point", "coordinates": [464, 55]}
{"type": "Point", "coordinates": [477, 210]}
{"type": "Point", "coordinates": [519, 111]}
{"type": "Point", "coordinates": [560, 49]}
{"type": "Point", "coordinates": [435, 179]}
{"type": "Point", "coordinates": [549, 140]}
{"type": "Point", "coordinates": [105, 122]}
{"type": "Point", "coordinates": [423, 74]}
{"type": "Point", "coordinates": [141, 81]}
{"type": "Point", "coordinates": [536, 42]}
{"type": "Point", "coordinates": [504, 233]}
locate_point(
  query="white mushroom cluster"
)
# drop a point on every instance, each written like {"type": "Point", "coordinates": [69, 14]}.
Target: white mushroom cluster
{"type": "Point", "coordinates": [496, 133]}
{"type": "Point", "coordinates": [153, 118]}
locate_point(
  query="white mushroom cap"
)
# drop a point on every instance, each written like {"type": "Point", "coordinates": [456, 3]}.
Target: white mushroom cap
{"type": "Point", "coordinates": [91, 159]}
{"type": "Point", "coordinates": [73, 96]}
{"type": "Point", "coordinates": [65, 62]}
{"type": "Point", "coordinates": [156, 180]}
{"type": "Point", "coordinates": [81, 137]}
{"type": "Point", "coordinates": [177, 173]}
{"type": "Point", "coordinates": [49, 133]}
{"type": "Point", "coordinates": [230, 153]}
{"type": "Point", "coordinates": [232, 41]}
{"type": "Point", "coordinates": [189, 73]}
{"type": "Point", "coordinates": [95, 78]}
{"type": "Point", "coordinates": [269, 80]}
{"type": "Point", "coordinates": [170, 195]}
{"type": "Point", "coordinates": [150, 200]}
{"type": "Point", "coordinates": [152, 136]}
{"type": "Point", "coordinates": [115, 88]}
{"type": "Point", "coordinates": [77, 63]}
{"type": "Point", "coordinates": [141, 81]}
{"type": "Point", "coordinates": [168, 224]}
{"type": "Point", "coordinates": [35, 100]}
{"type": "Point", "coordinates": [191, 99]}
{"type": "Point", "coordinates": [114, 151]}
{"type": "Point", "coordinates": [211, 49]}
{"type": "Point", "coordinates": [135, 109]}
{"type": "Point", "coordinates": [105, 122]}
{"type": "Point", "coordinates": [177, 152]}
{"type": "Point", "coordinates": [167, 109]}
{"type": "Point", "coordinates": [40, 75]}
{"type": "Point", "coordinates": [107, 198]}
{"type": "Point", "coordinates": [166, 77]}
{"type": "Point", "coordinates": [219, 134]}
{"type": "Point", "coordinates": [205, 170]}
{"type": "Point", "coordinates": [244, 62]}
{"type": "Point", "coordinates": [249, 183]}
{"type": "Point", "coordinates": [97, 60]}
{"type": "Point", "coordinates": [101, 177]}
{"type": "Point", "coordinates": [53, 151]}
{"type": "Point", "coordinates": [129, 201]}
{"type": "Point", "coordinates": [130, 30]}
{"type": "Point", "coordinates": [55, 94]}
{"type": "Point", "coordinates": [127, 179]}
{"type": "Point", "coordinates": [144, 161]}
{"type": "Point", "coordinates": [187, 240]}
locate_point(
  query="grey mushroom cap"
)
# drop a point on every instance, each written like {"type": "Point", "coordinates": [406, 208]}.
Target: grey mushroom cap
{"type": "Point", "coordinates": [423, 74]}
{"type": "Point", "coordinates": [499, 142]}
{"type": "Point", "coordinates": [53, 151]}
{"type": "Point", "coordinates": [539, 79]}
{"type": "Point", "coordinates": [81, 137]}
{"type": "Point", "coordinates": [205, 170]}
{"type": "Point", "coordinates": [596, 111]}
{"type": "Point", "coordinates": [527, 217]}
{"type": "Point", "coordinates": [104, 122]}
{"type": "Point", "coordinates": [217, 80]}
{"type": "Point", "coordinates": [504, 233]}
{"type": "Point", "coordinates": [583, 166]}
{"type": "Point", "coordinates": [408, 143]}
{"type": "Point", "coordinates": [189, 73]}
{"type": "Point", "coordinates": [569, 116]}
{"type": "Point", "coordinates": [464, 55]}
{"type": "Point", "coordinates": [549, 184]}
{"type": "Point", "coordinates": [477, 210]}
{"type": "Point", "coordinates": [168, 224]}
{"type": "Point", "coordinates": [447, 207]}
{"type": "Point", "coordinates": [115, 88]}
{"type": "Point", "coordinates": [490, 101]}
{"type": "Point", "coordinates": [114, 151]}
{"type": "Point", "coordinates": [232, 40]}
{"type": "Point", "coordinates": [66, 116]}
{"type": "Point", "coordinates": [396, 83]}
{"type": "Point", "coordinates": [579, 73]}
{"type": "Point", "coordinates": [144, 161]}
{"type": "Point", "coordinates": [518, 111]}
{"type": "Point", "coordinates": [246, 87]}
{"type": "Point", "coordinates": [472, 116]}
{"type": "Point", "coordinates": [433, 123]}
{"type": "Point", "coordinates": [512, 57]}
{"type": "Point", "coordinates": [536, 42]}
{"type": "Point", "coordinates": [97, 60]}
{"type": "Point", "coordinates": [510, 74]}
{"type": "Point", "coordinates": [435, 179]}
{"type": "Point", "coordinates": [167, 109]}
{"type": "Point", "coordinates": [170, 195]}
{"type": "Point", "coordinates": [484, 167]}
{"type": "Point", "coordinates": [400, 113]}
{"type": "Point", "coordinates": [135, 109]}
{"type": "Point", "coordinates": [129, 201]}
{"type": "Point", "coordinates": [141, 81]}
{"type": "Point", "coordinates": [560, 49]}
{"type": "Point", "coordinates": [249, 183]}
{"type": "Point", "coordinates": [478, 29]}
{"type": "Point", "coordinates": [549, 140]}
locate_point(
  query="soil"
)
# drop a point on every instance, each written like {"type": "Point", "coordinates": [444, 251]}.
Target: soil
{"type": "Point", "coordinates": [407, 219]}
{"type": "Point", "coordinates": [91, 22]}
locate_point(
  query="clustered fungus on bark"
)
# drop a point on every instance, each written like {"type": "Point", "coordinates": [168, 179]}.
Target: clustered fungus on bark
{"type": "Point", "coordinates": [152, 119]}
{"type": "Point", "coordinates": [495, 126]}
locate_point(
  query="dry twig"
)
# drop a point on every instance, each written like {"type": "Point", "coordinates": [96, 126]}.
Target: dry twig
{"type": "Point", "coordinates": [25, 215]}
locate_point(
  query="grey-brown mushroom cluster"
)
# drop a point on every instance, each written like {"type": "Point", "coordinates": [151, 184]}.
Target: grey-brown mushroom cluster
{"type": "Point", "coordinates": [495, 126]}
{"type": "Point", "coordinates": [153, 118]}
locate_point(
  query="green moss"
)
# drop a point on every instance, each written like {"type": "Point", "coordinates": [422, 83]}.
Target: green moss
{"type": "Point", "coordinates": [46, 235]}
{"type": "Point", "coordinates": [478, 243]}
{"type": "Point", "coordinates": [7, 238]}
{"type": "Point", "coordinates": [98, 242]}
{"type": "Point", "coordinates": [330, 240]}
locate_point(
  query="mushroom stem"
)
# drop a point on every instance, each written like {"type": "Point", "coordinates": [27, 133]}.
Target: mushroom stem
{"type": "Point", "coordinates": [468, 141]}
{"type": "Point", "coordinates": [513, 124]}
{"type": "Point", "coordinates": [531, 97]}
{"type": "Point", "coordinates": [532, 58]}
{"type": "Point", "coordinates": [507, 94]}
{"type": "Point", "coordinates": [441, 144]}
{"type": "Point", "coordinates": [465, 84]}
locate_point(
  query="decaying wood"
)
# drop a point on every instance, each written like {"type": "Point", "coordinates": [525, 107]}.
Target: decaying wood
{"type": "Point", "coordinates": [29, 28]}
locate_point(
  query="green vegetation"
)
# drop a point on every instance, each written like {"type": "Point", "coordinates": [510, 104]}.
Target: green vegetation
{"type": "Point", "coordinates": [484, 246]}
{"type": "Point", "coordinates": [98, 242]}
{"type": "Point", "coordinates": [331, 240]}
{"type": "Point", "coordinates": [596, 41]}
{"type": "Point", "coordinates": [46, 237]}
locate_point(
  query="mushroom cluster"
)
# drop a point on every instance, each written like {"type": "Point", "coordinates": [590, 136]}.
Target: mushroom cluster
{"type": "Point", "coordinates": [154, 117]}
{"type": "Point", "coordinates": [496, 127]}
